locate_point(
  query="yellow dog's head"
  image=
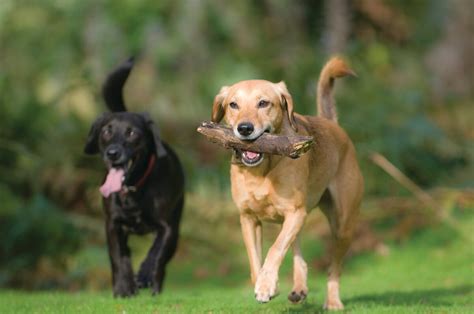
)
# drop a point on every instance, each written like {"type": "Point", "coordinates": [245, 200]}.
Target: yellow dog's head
{"type": "Point", "coordinates": [252, 108]}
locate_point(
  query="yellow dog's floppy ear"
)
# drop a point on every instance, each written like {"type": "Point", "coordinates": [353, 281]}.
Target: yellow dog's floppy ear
{"type": "Point", "coordinates": [217, 107]}
{"type": "Point", "coordinates": [287, 103]}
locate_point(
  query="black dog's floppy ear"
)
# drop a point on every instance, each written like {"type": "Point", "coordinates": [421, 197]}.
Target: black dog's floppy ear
{"type": "Point", "coordinates": [92, 142]}
{"type": "Point", "coordinates": [160, 149]}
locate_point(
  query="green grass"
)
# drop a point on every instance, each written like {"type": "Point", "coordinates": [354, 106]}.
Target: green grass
{"type": "Point", "coordinates": [431, 273]}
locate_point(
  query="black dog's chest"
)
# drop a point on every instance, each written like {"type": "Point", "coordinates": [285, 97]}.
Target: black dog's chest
{"type": "Point", "coordinates": [130, 216]}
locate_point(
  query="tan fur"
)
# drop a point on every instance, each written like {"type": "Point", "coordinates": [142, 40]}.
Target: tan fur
{"type": "Point", "coordinates": [335, 68]}
{"type": "Point", "coordinates": [284, 190]}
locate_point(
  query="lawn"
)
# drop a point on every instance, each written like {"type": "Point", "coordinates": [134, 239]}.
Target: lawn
{"type": "Point", "coordinates": [431, 273]}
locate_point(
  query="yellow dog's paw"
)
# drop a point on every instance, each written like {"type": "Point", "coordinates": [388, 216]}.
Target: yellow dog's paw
{"type": "Point", "coordinates": [333, 305]}
{"type": "Point", "coordinates": [266, 287]}
{"type": "Point", "coordinates": [298, 295]}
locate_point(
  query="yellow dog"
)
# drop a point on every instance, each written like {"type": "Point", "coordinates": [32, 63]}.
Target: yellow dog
{"type": "Point", "coordinates": [279, 189]}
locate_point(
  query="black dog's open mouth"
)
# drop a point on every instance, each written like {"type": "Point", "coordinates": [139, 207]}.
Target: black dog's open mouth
{"type": "Point", "coordinates": [115, 178]}
{"type": "Point", "coordinates": [251, 159]}
{"type": "Point", "coordinates": [126, 166]}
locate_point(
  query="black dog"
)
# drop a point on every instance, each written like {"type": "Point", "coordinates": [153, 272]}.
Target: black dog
{"type": "Point", "coordinates": [143, 191]}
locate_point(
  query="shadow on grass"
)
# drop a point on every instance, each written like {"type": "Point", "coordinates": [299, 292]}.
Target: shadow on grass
{"type": "Point", "coordinates": [306, 307]}
{"type": "Point", "coordinates": [432, 297]}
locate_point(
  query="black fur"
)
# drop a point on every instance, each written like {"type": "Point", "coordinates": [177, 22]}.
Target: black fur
{"type": "Point", "coordinates": [112, 91]}
{"type": "Point", "coordinates": [154, 206]}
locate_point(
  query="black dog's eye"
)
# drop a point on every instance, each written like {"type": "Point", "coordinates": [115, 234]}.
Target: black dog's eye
{"type": "Point", "coordinates": [234, 105]}
{"type": "Point", "coordinates": [130, 133]}
{"type": "Point", "coordinates": [106, 132]}
{"type": "Point", "coordinates": [263, 104]}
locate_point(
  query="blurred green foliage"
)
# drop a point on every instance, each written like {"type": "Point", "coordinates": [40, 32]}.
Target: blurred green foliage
{"type": "Point", "coordinates": [39, 229]}
{"type": "Point", "coordinates": [55, 55]}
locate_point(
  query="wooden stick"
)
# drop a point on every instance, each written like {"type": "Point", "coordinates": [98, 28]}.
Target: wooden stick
{"type": "Point", "coordinates": [291, 146]}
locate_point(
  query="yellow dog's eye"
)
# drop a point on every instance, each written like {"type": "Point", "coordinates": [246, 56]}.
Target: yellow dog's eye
{"type": "Point", "coordinates": [263, 103]}
{"type": "Point", "coordinates": [234, 105]}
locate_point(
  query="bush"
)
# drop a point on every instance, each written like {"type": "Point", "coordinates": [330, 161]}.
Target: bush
{"type": "Point", "coordinates": [36, 230]}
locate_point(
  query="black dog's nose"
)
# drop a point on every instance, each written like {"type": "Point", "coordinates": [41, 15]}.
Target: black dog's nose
{"type": "Point", "coordinates": [245, 128]}
{"type": "Point", "coordinates": [113, 154]}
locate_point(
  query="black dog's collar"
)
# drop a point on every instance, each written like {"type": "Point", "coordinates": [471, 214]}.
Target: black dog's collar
{"type": "Point", "coordinates": [133, 188]}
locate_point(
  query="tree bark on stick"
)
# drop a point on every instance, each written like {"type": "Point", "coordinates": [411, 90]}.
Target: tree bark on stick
{"type": "Point", "coordinates": [291, 146]}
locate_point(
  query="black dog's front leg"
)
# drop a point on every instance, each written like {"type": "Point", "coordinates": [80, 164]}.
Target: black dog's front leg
{"type": "Point", "coordinates": [152, 270]}
{"type": "Point", "coordinates": [119, 253]}
{"type": "Point", "coordinates": [147, 268]}
{"type": "Point", "coordinates": [158, 272]}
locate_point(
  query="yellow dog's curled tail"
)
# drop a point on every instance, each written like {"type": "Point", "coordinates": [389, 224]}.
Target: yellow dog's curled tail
{"type": "Point", "coordinates": [336, 67]}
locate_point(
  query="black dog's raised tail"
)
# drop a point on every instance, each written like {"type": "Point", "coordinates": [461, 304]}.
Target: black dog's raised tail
{"type": "Point", "coordinates": [112, 91]}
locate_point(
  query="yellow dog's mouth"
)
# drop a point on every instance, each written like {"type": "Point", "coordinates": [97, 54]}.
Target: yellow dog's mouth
{"type": "Point", "coordinates": [251, 159]}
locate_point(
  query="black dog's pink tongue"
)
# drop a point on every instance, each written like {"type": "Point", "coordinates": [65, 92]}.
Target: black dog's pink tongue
{"type": "Point", "coordinates": [113, 182]}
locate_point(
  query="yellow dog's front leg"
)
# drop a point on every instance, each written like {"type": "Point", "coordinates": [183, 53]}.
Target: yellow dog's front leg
{"type": "Point", "coordinates": [251, 231]}
{"type": "Point", "coordinates": [266, 286]}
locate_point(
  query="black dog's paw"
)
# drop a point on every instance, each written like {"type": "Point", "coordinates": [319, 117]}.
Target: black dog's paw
{"type": "Point", "coordinates": [156, 288]}
{"type": "Point", "coordinates": [124, 289]}
{"type": "Point", "coordinates": [143, 280]}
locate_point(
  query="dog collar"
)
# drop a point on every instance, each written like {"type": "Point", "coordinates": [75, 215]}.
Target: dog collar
{"type": "Point", "coordinates": [149, 169]}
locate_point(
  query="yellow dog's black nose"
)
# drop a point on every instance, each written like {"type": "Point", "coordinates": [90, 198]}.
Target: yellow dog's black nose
{"type": "Point", "coordinates": [245, 128]}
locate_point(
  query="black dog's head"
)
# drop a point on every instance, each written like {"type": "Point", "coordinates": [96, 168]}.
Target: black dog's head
{"type": "Point", "coordinates": [124, 137]}
{"type": "Point", "coordinates": [125, 141]}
